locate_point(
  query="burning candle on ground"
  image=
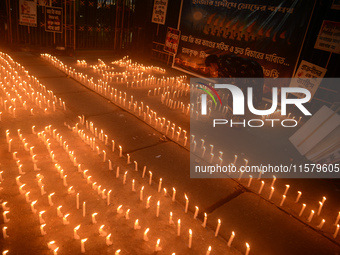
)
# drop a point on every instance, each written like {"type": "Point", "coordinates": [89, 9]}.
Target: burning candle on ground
{"type": "Point", "coordinates": [320, 207]}
{"type": "Point", "coordinates": [190, 238]}
{"type": "Point", "coordinates": [124, 178]}
{"type": "Point", "coordinates": [150, 178]}
{"type": "Point", "coordinates": [94, 218]}
{"type": "Point", "coordinates": [310, 216]}
{"type": "Point", "coordinates": [108, 197]}
{"type": "Point", "coordinates": [170, 219]}
{"type": "Point", "coordinates": [321, 224]}
{"type": "Point", "coordinates": [337, 219]}
{"type": "Point", "coordinates": [148, 202]}
{"type": "Point", "coordinates": [298, 196]}
{"type": "Point", "coordinates": [75, 234]}
{"type": "Point", "coordinates": [42, 191]}
{"type": "Point", "coordinates": [144, 171]}
{"type": "Point", "coordinates": [77, 201]}
{"type": "Point", "coordinates": [59, 213]}
{"type": "Point", "coordinates": [302, 209]}
{"type": "Point", "coordinates": [157, 212]}
{"type": "Point", "coordinates": [145, 237]}
{"type": "Point", "coordinates": [101, 231]}
{"type": "Point", "coordinates": [283, 200]}
{"type": "Point", "coordinates": [4, 232]}
{"type": "Point", "coordinates": [42, 231]}
{"type": "Point", "coordinates": [158, 248]}
{"type": "Point", "coordinates": [32, 206]}
{"type": "Point", "coordinates": [196, 212]}
{"type": "Point", "coordinates": [108, 240]}
{"type": "Point", "coordinates": [84, 209]}
{"type": "Point", "coordinates": [261, 187]}
{"type": "Point", "coordinates": [271, 193]}
{"type": "Point", "coordinates": [173, 194]}
{"type": "Point", "coordinates": [119, 209]}
{"type": "Point", "coordinates": [136, 225]}
{"type": "Point", "coordinates": [186, 203]}
{"type": "Point", "coordinates": [127, 214]}
{"type": "Point", "coordinates": [336, 231]}
{"type": "Point", "coordinates": [208, 251]}
{"type": "Point", "coordinates": [117, 252]}
{"type": "Point", "coordinates": [286, 190]}
{"type": "Point", "coordinates": [218, 227]}
{"type": "Point", "coordinates": [160, 185]}
{"type": "Point", "coordinates": [248, 249]}
{"type": "Point", "coordinates": [65, 221]}
{"type": "Point", "coordinates": [273, 181]}
{"type": "Point", "coordinates": [50, 199]}
{"type": "Point", "coordinates": [205, 220]}
{"type": "Point", "coordinates": [41, 220]}
{"type": "Point", "coordinates": [141, 194]}
{"type": "Point", "coordinates": [231, 239]}
{"type": "Point", "coordinates": [179, 227]}
{"type": "Point", "coordinates": [82, 245]}
{"type": "Point", "coordinates": [120, 151]}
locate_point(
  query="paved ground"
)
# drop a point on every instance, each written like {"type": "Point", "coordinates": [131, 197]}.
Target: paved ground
{"type": "Point", "coordinates": [267, 227]}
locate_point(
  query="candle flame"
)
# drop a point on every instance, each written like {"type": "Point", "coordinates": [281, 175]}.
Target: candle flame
{"type": "Point", "coordinates": [146, 231]}
{"type": "Point", "coordinates": [186, 197]}
{"type": "Point", "coordinates": [209, 249]}
{"type": "Point", "coordinates": [190, 232]}
{"type": "Point", "coordinates": [77, 227]}
{"type": "Point", "coordinates": [84, 240]}
{"type": "Point", "coordinates": [101, 227]}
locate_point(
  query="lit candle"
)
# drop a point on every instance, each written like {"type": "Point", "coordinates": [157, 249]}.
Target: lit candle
{"type": "Point", "coordinates": [141, 194]}
{"type": "Point", "coordinates": [108, 197]}
{"type": "Point", "coordinates": [108, 241]}
{"type": "Point", "coordinates": [127, 214]}
{"type": "Point", "coordinates": [148, 202]}
{"type": "Point", "coordinates": [4, 232]}
{"type": "Point", "coordinates": [231, 239]}
{"type": "Point", "coordinates": [101, 231]}
{"type": "Point", "coordinates": [150, 178]}
{"type": "Point", "coordinates": [273, 181]}
{"type": "Point", "coordinates": [321, 224]}
{"type": "Point", "coordinates": [117, 172]}
{"type": "Point", "coordinates": [248, 249]}
{"type": "Point", "coordinates": [32, 206]}
{"type": "Point", "coordinates": [51, 245]}
{"type": "Point", "coordinates": [336, 231]}
{"type": "Point", "coordinates": [144, 171]}
{"type": "Point", "coordinates": [218, 227]}
{"type": "Point", "coordinates": [196, 212]}
{"type": "Point", "coordinates": [42, 191]}
{"type": "Point", "coordinates": [17, 179]}
{"type": "Point", "coordinates": [128, 159]}
{"type": "Point", "coordinates": [320, 207]}
{"type": "Point", "coordinates": [75, 234]}
{"type": "Point", "coordinates": [283, 200]}
{"type": "Point", "coordinates": [261, 187]}
{"type": "Point", "coordinates": [179, 227]}
{"type": "Point", "coordinates": [337, 219]}
{"type": "Point", "coordinates": [205, 220]}
{"type": "Point", "coordinates": [41, 220]}
{"type": "Point", "coordinates": [77, 200]}
{"type": "Point", "coordinates": [190, 238]}
{"type": "Point", "coordinates": [323, 199]}
{"type": "Point", "coordinates": [5, 252]}
{"type": "Point", "coordinates": [4, 207]}
{"type": "Point", "coordinates": [145, 237]}
{"type": "Point", "coordinates": [119, 209]}
{"type": "Point", "coordinates": [302, 209]}
{"type": "Point", "coordinates": [271, 193]}
{"type": "Point", "coordinates": [310, 216]}
{"type": "Point", "coordinates": [158, 248]}
{"type": "Point", "coordinates": [136, 225]}
{"type": "Point", "coordinates": [82, 245]}
{"type": "Point", "coordinates": [286, 190]}
{"type": "Point", "coordinates": [298, 196]}
{"type": "Point", "coordinates": [50, 199]}
{"type": "Point", "coordinates": [157, 212]}
{"type": "Point", "coordinates": [120, 151]}
{"type": "Point", "coordinates": [59, 213]}
{"type": "Point", "coordinates": [84, 209]}
{"type": "Point", "coordinates": [124, 178]}
{"type": "Point", "coordinates": [117, 252]}
{"type": "Point", "coordinates": [186, 203]}
{"type": "Point", "coordinates": [208, 251]}
{"type": "Point", "coordinates": [160, 185]}
{"type": "Point", "coordinates": [94, 218]}
{"type": "Point", "coordinates": [104, 156]}
{"type": "Point", "coordinates": [170, 219]}
{"type": "Point", "coordinates": [173, 194]}
{"type": "Point", "coordinates": [250, 179]}
{"type": "Point", "coordinates": [65, 221]}
{"type": "Point", "coordinates": [42, 231]}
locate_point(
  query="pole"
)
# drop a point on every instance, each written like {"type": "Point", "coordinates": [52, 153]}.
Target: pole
{"type": "Point", "coordinates": [329, 58]}
{"type": "Point", "coordinates": [74, 25]}
{"type": "Point", "coordinates": [65, 23]}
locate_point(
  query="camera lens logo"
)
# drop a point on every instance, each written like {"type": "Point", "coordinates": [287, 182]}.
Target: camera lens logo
{"type": "Point", "coordinates": [204, 97]}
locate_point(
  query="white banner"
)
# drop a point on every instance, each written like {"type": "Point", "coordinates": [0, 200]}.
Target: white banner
{"type": "Point", "coordinates": [308, 76]}
{"type": "Point", "coordinates": [159, 11]}
{"type": "Point", "coordinates": [28, 13]}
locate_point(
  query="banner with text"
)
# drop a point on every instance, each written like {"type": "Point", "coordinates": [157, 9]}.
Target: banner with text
{"type": "Point", "coordinates": [270, 33]}
{"type": "Point", "coordinates": [172, 40]}
{"type": "Point", "coordinates": [28, 13]}
{"type": "Point", "coordinates": [159, 11]}
{"type": "Point", "coordinates": [329, 37]}
{"type": "Point", "coordinates": [54, 19]}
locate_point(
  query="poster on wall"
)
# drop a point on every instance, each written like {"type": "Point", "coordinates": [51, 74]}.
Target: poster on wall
{"type": "Point", "coordinates": [28, 13]}
{"type": "Point", "coordinates": [329, 37]}
{"type": "Point", "coordinates": [270, 33]}
{"type": "Point", "coordinates": [308, 76]}
{"type": "Point", "coordinates": [54, 19]}
{"type": "Point", "coordinates": [159, 11]}
{"type": "Point", "coordinates": [336, 5]}
{"type": "Point", "coordinates": [171, 40]}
